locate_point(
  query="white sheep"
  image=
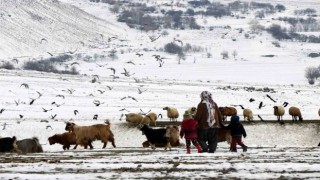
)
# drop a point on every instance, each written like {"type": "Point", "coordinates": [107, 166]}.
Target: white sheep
{"type": "Point", "coordinates": [247, 113]}
{"type": "Point", "coordinates": [172, 113]}
{"type": "Point", "coordinates": [192, 111]}
{"type": "Point", "coordinates": [134, 118]}
{"type": "Point", "coordinates": [295, 113]}
{"type": "Point", "coordinates": [150, 118]}
{"type": "Point", "coordinates": [279, 112]}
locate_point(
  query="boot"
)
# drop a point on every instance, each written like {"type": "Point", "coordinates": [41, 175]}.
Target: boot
{"type": "Point", "coordinates": [199, 148]}
{"type": "Point", "coordinates": [244, 148]}
{"type": "Point", "coordinates": [188, 150]}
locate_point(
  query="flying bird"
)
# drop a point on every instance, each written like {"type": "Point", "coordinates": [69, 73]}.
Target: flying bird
{"type": "Point", "coordinates": [50, 53]}
{"type": "Point", "coordinates": [25, 85]}
{"type": "Point", "coordinates": [60, 95]}
{"type": "Point", "coordinates": [76, 112]}
{"type": "Point", "coordinates": [48, 126]}
{"type": "Point", "coordinates": [32, 101]}
{"type": "Point", "coordinates": [130, 62]}
{"type": "Point", "coordinates": [133, 98]}
{"type": "Point", "coordinates": [95, 117]}
{"type": "Point", "coordinates": [144, 113]}
{"type": "Point", "coordinates": [127, 73]}
{"type": "Point", "coordinates": [72, 52]}
{"type": "Point", "coordinates": [112, 69]}
{"type": "Point", "coordinates": [74, 63]}
{"type": "Point", "coordinates": [260, 117]}
{"type": "Point", "coordinates": [46, 110]}
{"type": "Point", "coordinates": [121, 117]}
{"type": "Point", "coordinates": [110, 88]}
{"type": "Point", "coordinates": [21, 116]}
{"type": "Point", "coordinates": [4, 126]}
{"type": "Point", "coordinates": [178, 41]}
{"type": "Point", "coordinates": [40, 94]}
{"type": "Point", "coordinates": [141, 91]}
{"type": "Point", "coordinates": [15, 60]}
{"type": "Point", "coordinates": [261, 105]}
{"type": "Point", "coordinates": [271, 98]}
{"type": "Point", "coordinates": [1, 111]}
{"type": "Point", "coordinates": [111, 38]}
{"type": "Point", "coordinates": [251, 100]}
{"type": "Point", "coordinates": [153, 38]}
{"type": "Point", "coordinates": [97, 102]}
{"type": "Point", "coordinates": [53, 116]}
{"type": "Point", "coordinates": [124, 109]}
{"type": "Point", "coordinates": [101, 91]}
{"type": "Point", "coordinates": [102, 65]}
{"type": "Point", "coordinates": [139, 54]}
{"type": "Point", "coordinates": [43, 39]}
{"type": "Point", "coordinates": [285, 104]}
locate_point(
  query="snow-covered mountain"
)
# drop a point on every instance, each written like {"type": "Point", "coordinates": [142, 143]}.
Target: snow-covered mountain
{"type": "Point", "coordinates": [34, 27]}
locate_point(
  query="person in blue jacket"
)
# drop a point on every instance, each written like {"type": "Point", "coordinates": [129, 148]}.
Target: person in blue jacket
{"type": "Point", "coordinates": [237, 131]}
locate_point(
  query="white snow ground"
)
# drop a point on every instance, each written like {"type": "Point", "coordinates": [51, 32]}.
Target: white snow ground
{"type": "Point", "coordinates": [276, 151]}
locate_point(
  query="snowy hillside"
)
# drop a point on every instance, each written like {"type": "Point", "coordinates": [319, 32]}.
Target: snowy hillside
{"type": "Point", "coordinates": [32, 28]}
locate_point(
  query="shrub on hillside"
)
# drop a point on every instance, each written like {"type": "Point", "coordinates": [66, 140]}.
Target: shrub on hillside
{"type": "Point", "coordinates": [312, 73]}
{"type": "Point", "coordinates": [277, 32]}
{"type": "Point", "coordinates": [7, 65]}
{"type": "Point", "coordinates": [173, 48]}
{"type": "Point", "coordinates": [49, 65]}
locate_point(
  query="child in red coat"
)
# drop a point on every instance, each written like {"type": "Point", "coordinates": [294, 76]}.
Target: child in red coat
{"type": "Point", "coordinates": [189, 131]}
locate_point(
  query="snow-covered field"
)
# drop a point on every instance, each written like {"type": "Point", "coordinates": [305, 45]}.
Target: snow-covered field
{"type": "Point", "coordinates": [39, 103]}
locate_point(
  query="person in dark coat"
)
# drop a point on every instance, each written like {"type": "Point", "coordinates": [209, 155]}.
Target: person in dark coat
{"type": "Point", "coordinates": [236, 130]}
{"type": "Point", "coordinates": [189, 131]}
{"type": "Point", "coordinates": [209, 121]}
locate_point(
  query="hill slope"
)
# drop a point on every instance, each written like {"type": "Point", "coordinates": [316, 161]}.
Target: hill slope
{"type": "Point", "coordinates": [36, 27]}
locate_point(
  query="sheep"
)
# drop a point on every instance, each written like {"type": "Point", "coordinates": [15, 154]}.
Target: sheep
{"type": "Point", "coordinates": [192, 111]}
{"type": "Point", "coordinates": [150, 119]}
{"type": "Point", "coordinates": [279, 112]}
{"type": "Point", "coordinates": [295, 113]}
{"type": "Point", "coordinates": [133, 118]}
{"type": "Point", "coordinates": [66, 139]}
{"type": "Point", "coordinates": [247, 113]}
{"type": "Point", "coordinates": [30, 145]}
{"type": "Point", "coordinates": [319, 112]}
{"type": "Point", "coordinates": [172, 133]}
{"type": "Point", "coordinates": [227, 111]}
{"type": "Point", "coordinates": [87, 134]}
{"type": "Point", "coordinates": [172, 113]}
{"type": "Point", "coordinates": [224, 135]}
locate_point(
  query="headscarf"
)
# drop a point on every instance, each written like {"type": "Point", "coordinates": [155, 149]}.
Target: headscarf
{"type": "Point", "coordinates": [206, 98]}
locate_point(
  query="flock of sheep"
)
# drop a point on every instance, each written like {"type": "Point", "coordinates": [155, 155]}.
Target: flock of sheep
{"type": "Point", "coordinates": [173, 114]}
{"type": "Point", "coordinates": [85, 135]}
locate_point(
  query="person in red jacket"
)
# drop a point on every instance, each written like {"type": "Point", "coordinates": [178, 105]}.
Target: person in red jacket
{"type": "Point", "coordinates": [189, 128]}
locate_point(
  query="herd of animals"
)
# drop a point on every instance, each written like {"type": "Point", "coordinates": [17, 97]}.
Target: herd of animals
{"type": "Point", "coordinates": [156, 137]}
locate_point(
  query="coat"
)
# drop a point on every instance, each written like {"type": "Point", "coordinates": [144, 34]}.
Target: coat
{"type": "Point", "coordinates": [236, 129]}
{"type": "Point", "coordinates": [189, 129]}
{"type": "Point", "coordinates": [202, 116]}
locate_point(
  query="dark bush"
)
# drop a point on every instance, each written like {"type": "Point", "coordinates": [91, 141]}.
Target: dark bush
{"type": "Point", "coordinates": [49, 65]}
{"type": "Point", "coordinates": [312, 73]}
{"type": "Point", "coordinates": [280, 7]}
{"type": "Point", "coordinates": [277, 32]}
{"type": "Point", "coordinates": [173, 48]}
{"type": "Point", "coordinates": [314, 55]}
{"type": "Point", "coordinates": [7, 65]}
